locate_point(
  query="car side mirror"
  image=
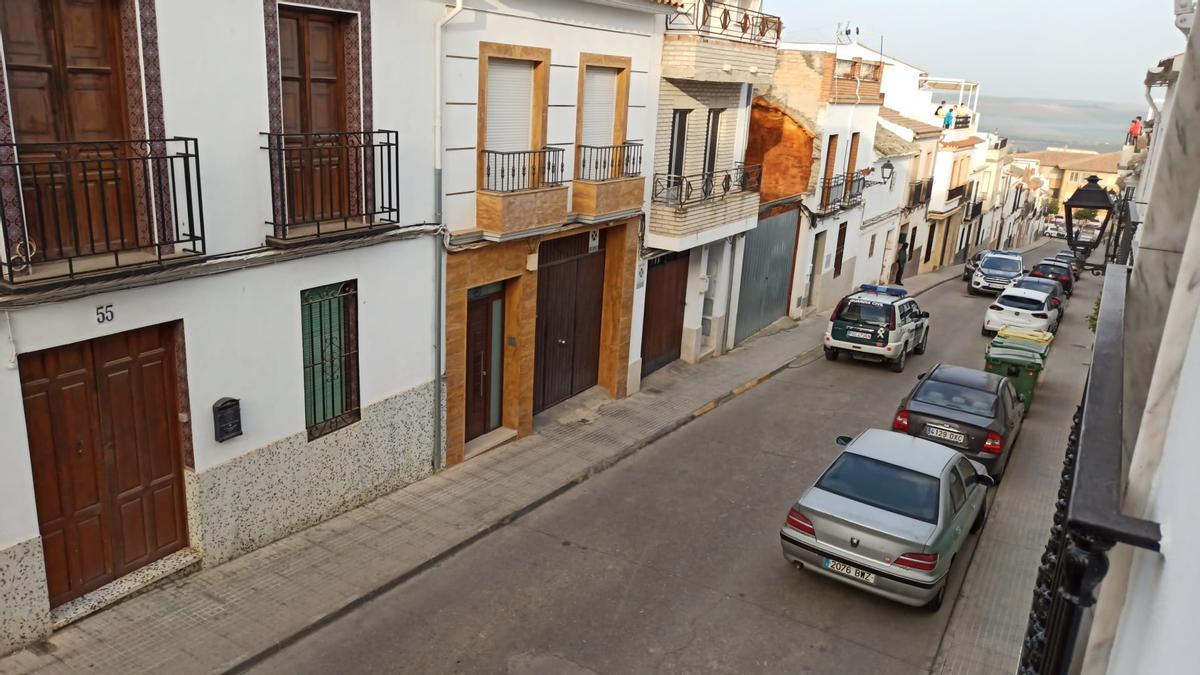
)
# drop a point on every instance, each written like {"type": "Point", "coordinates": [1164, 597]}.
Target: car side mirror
{"type": "Point", "coordinates": [1027, 271]}
{"type": "Point", "coordinates": [984, 480]}
{"type": "Point", "coordinates": [923, 315]}
{"type": "Point", "coordinates": [844, 440]}
{"type": "Point", "coordinates": [921, 376]}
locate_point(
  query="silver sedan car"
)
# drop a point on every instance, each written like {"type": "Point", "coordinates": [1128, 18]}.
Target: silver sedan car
{"type": "Point", "coordinates": [888, 516]}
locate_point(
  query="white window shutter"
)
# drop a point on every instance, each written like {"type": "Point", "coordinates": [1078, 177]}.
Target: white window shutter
{"type": "Point", "coordinates": [509, 105]}
{"type": "Point", "coordinates": [599, 105]}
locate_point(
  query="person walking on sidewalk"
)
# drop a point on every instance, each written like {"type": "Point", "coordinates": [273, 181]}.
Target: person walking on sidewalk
{"type": "Point", "coordinates": [901, 259]}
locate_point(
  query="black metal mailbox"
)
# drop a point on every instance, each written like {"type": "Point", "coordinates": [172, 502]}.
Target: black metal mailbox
{"type": "Point", "coordinates": [227, 419]}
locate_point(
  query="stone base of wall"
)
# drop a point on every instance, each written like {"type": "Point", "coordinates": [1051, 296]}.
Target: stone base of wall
{"type": "Point", "coordinates": [295, 483]}
{"type": "Point", "coordinates": [24, 599]}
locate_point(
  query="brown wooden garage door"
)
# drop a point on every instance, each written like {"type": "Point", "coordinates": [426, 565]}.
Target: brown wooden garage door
{"type": "Point", "coordinates": [102, 421]}
{"type": "Point", "coordinates": [569, 308]}
{"type": "Point", "coordinates": [666, 295]}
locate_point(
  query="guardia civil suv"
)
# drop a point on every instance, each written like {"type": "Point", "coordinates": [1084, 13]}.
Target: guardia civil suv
{"type": "Point", "coordinates": [878, 323]}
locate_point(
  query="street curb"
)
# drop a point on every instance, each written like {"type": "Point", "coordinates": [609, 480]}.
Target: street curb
{"type": "Point", "coordinates": [245, 664]}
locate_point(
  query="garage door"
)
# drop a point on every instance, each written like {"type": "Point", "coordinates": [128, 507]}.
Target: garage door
{"type": "Point", "coordinates": [767, 265]}
{"type": "Point", "coordinates": [102, 421]}
{"type": "Point", "coordinates": [569, 308]}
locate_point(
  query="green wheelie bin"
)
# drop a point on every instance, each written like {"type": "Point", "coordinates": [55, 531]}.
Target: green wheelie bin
{"type": "Point", "coordinates": [1019, 365]}
{"type": "Point", "coordinates": [1042, 349]}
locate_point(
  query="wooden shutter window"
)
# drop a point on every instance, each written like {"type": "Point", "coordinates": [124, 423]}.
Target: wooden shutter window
{"type": "Point", "coordinates": [599, 105]}
{"type": "Point", "coordinates": [841, 250]}
{"type": "Point", "coordinates": [509, 105]}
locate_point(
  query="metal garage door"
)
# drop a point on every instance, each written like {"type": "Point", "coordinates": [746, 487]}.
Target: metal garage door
{"type": "Point", "coordinates": [766, 274]}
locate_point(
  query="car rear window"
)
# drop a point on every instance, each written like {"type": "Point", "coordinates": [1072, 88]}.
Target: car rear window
{"type": "Point", "coordinates": [875, 314]}
{"type": "Point", "coordinates": [1001, 264]}
{"type": "Point", "coordinates": [1017, 302]}
{"type": "Point", "coordinates": [1053, 270]}
{"type": "Point", "coordinates": [1035, 284]}
{"type": "Point", "coordinates": [956, 397]}
{"type": "Point", "coordinates": [884, 486]}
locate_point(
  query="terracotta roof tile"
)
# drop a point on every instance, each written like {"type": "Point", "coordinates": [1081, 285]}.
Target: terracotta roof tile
{"type": "Point", "coordinates": [964, 143]}
{"type": "Point", "coordinates": [1056, 158]}
{"type": "Point", "coordinates": [1106, 163]}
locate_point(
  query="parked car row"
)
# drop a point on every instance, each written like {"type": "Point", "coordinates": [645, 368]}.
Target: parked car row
{"type": "Point", "coordinates": [896, 506]}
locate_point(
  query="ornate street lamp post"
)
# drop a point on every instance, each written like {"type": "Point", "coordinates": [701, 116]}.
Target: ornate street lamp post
{"type": "Point", "coordinates": [1090, 196]}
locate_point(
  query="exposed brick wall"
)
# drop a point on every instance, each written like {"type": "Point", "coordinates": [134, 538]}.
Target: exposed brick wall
{"type": "Point", "coordinates": [783, 147]}
{"type": "Point", "coordinates": [699, 97]}
{"type": "Point", "coordinates": [693, 57]}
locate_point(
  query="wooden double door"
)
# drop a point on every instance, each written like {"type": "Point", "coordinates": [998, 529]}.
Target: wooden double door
{"type": "Point", "coordinates": [570, 305]}
{"type": "Point", "coordinates": [102, 418]}
{"type": "Point", "coordinates": [65, 67]}
{"type": "Point", "coordinates": [666, 298]}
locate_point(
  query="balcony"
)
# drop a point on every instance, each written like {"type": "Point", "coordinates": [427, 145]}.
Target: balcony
{"type": "Point", "coordinates": [332, 185]}
{"type": "Point", "coordinates": [956, 192]}
{"type": "Point", "coordinates": [521, 191]}
{"type": "Point", "coordinates": [974, 210]}
{"type": "Point", "coordinates": [608, 181]}
{"type": "Point", "coordinates": [687, 211]}
{"type": "Point", "coordinates": [840, 192]}
{"type": "Point", "coordinates": [714, 41]}
{"type": "Point", "coordinates": [962, 122]}
{"type": "Point", "coordinates": [1088, 519]}
{"type": "Point", "coordinates": [918, 192]}
{"type": "Point", "coordinates": [95, 209]}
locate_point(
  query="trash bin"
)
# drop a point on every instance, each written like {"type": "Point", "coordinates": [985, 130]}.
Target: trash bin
{"type": "Point", "coordinates": [1042, 349]}
{"type": "Point", "coordinates": [1021, 366]}
{"type": "Point", "coordinates": [1027, 334]}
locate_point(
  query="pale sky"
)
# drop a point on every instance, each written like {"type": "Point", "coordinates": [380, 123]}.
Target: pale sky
{"type": "Point", "coordinates": [1095, 50]}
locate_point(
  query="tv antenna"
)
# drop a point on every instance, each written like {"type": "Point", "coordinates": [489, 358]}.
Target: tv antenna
{"type": "Point", "coordinates": [845, 33]}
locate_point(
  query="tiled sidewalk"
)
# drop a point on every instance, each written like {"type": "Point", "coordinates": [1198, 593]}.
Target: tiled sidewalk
{"type": "Point", "coordinates": [224, 617]}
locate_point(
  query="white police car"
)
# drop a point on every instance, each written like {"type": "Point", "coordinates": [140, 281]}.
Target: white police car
{"type": "Point", "coordinates": [879, 323]}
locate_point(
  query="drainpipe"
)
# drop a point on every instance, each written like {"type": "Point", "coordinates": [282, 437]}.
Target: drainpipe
{"type": "Point", "coordinates": [439, 242]}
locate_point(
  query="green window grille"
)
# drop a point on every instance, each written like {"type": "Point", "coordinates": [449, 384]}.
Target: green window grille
{"type": "Point", "coordinates": [329, 330]}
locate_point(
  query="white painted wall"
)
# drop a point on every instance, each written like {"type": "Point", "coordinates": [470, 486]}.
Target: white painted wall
{"type": "Point", "coordinates": [565, 27]}
{"type": "Point", "coordinates": [242, 335]}
{"type": "Point", "coordinates": [1157, 626]}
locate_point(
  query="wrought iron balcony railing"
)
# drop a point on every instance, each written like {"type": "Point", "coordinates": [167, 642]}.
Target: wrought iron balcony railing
{"type": "Point", "coordinates": [956, 192]}
{"type": "Point", "coordinates": [89, 207]}
{"type": "Point", "coordinates": [337, 182]}
{"type": "Point", "coordinates": [855, 183]}
{"type": "Point", "coordinates": [974, 210]}
{"type": "Point", "coordinates": [1088, 520]}
{"type": "Point", "coordinates": [726, 20]}
{"type": "Point", "coordinates": [609, 162]}
{"type": "Point", "coordinates": [962, 122]}
{"type": "Point", "coordinates": [519, 170]}
{"type": "Point", "coordinates": [840, 192]}
{"type": "Point", "coordinates": [681, 191]}
{"type": "Point", "coordinates": [918, 192]}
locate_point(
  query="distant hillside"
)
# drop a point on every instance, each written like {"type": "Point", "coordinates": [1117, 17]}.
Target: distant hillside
{"type": "Point", "coordinates": [1033, 124]}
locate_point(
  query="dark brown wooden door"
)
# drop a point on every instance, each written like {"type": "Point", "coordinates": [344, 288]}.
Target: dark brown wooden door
{"type": "Point", "coordinates": [569, 310]}
{"type": "Point", "coordinates": [666, 297]}
{"type": "Point", "coordinates": [65, 77]}
{"type": "Point", "coordinates": [830, 167]}
{"type": "Point", "coordinates": [102, 423]}
{"type": "Point", "coordinates": [313, 78]}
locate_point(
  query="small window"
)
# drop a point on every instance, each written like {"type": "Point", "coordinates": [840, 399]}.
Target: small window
{"type": "Point", "coordinates": [841, 250]}
{"type": "Point", "coordinates": [679, 120]}
{"type": "Point", "coordinates": [958, 493]}
{"type": "Point", "coordinates": [329, 344]}
{"type": "Point", "coordinates": [712, 137]}
{"type": "Point", "coordinates": [868, 71]}
{"type": "Point", "coordinates": [843, 69]}
{"type": "Point", "coordinates": [871, 248]}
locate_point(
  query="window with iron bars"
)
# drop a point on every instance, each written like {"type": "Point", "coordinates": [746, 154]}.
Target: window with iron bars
{"type": "Point", "coordinates": [329, 332]}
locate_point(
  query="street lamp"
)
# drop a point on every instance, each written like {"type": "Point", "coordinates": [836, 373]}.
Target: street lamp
{"type": "Point", "coordinates": [1089, 197]}
{"type": "Point", "coordinates": [885, 172]}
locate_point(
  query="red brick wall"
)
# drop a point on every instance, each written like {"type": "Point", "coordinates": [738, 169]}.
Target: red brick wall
{"type": "Point", "coordinates": [783, 147]}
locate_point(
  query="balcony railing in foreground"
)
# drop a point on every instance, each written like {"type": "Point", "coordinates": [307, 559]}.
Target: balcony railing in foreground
{"type": "Point", "coordinates": [517, 170]}
{"type": "Point", "coordinates": [333, 183]}
{"type": "Point", "coordinates": [681, 191]}
{"type": "Point", "coordinates": [727, 21]}
{"type": "Point", "coordinates": [1088, 520]}
{"type": "Point", "coordinates": [609, 162]}
{"type": "Point", "coordinates": [99, 206]}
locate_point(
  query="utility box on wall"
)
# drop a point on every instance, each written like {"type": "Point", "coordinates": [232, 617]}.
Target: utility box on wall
{"type": "Point", "coordinates": [227, 419]}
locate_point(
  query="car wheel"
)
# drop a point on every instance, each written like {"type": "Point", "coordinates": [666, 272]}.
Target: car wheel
{"type": "Point", "coordinates": [936, 603]}
{"type": "Point", "coordinates": [970, 290]}
{"type": "Point", "coordinates": [924, 342]}
{"type": "Point", "coordinates": [980, 518]}
{"type": "Point", "coordinates": [898, 363]}
{"type": "Point", "coordinates": [831, 354]}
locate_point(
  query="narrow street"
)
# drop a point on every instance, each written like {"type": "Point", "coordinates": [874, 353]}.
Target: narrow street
{"type": "Point", "coordinates": [670, 561]}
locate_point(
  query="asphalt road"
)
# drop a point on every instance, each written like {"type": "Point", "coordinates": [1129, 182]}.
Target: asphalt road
{"type": "Point", "coordinates": [670, 561]}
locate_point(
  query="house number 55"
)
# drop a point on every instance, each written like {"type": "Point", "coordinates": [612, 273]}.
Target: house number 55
{"type": "Point", "coordinates": [104, 313]}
